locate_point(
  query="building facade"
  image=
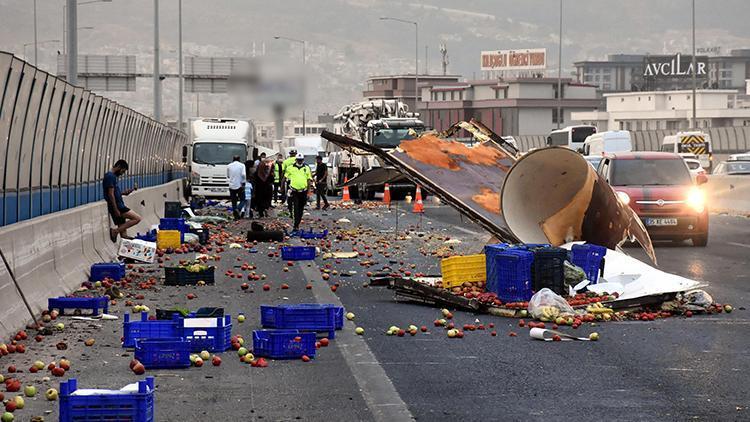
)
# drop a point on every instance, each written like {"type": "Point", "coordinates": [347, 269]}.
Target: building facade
{"type": "Point", "coordinates": [669, 110]}
{"type": "Point", "coordinates": [512, 106]}
{"type": "Point", "coordinates": [626, 72]}
{"type": "Point", "coordinates": [400, 87]}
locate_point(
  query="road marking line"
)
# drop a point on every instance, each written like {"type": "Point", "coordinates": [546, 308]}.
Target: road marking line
{"type": "Point", "coordinates": [742, 245]}
{"type": "Point", "coordinates": [377, 389]}
{"type": "Point", "coordinates": [467, 231]}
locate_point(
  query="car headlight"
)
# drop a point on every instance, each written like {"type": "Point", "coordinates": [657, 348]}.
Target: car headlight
{"type": "Point", "coordinates": [696, 199]}
{"type": "Point", "coordinates": [624, 197]}
{"type": "Point", "coordinates": [195, 178]}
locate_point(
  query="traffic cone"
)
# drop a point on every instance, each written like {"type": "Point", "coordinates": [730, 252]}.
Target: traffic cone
{"type": "Point", "coordinates": [387, 195]}
{"type": "Point", "coordinates": [346, 197]}
{"type": "Point", "coordinates": [418, 206]}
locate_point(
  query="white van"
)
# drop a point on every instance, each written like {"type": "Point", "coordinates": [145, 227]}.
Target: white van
{"type": "Point", "coordinates": [698, 143]}
{"type": "Point", "coordinates": [608, 142]}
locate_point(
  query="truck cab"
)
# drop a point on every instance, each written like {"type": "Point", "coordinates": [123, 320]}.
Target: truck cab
{"type": "Point", "coordinates": [215, 142]}
{"type": "Point", "coordinates": [695, 142]}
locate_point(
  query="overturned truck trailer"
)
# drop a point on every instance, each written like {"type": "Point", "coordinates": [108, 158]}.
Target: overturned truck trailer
{"type": "Point", "coordinates": [549, 195]}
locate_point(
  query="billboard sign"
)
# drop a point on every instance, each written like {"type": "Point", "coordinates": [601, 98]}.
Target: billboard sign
{"type": "Point", "coordinates": [677, 66]}
{"type": "Point", "coordinates": [528, 59]}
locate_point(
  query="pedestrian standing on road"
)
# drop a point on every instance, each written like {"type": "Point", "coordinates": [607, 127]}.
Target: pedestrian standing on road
{"type": "Point", "coordinates": [278, 194]}
{"type": "Point", "coordinates": [289, 162]}
{"type": "Point", "coordinates": [248, 210]}
{"type": "Point", "coordinates": [300, 181]}
{"type": "Point", "coordinates": [263, 187]}
{"type": "Point", "coordinates": [123, 217]}
{"type": "Point", "coordinates": [236, 175]}
{"type": "Point", "coordinates": [321, 182]}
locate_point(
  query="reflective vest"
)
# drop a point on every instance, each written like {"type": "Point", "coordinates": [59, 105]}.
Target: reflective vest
{"type": "Point", "coordinates": [289, 162]}
{"type": "Point", "coordinates": [276, 172]}
{"type": "Point", "coordinates": [298, 177]}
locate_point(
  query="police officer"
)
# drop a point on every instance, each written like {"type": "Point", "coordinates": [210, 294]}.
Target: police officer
{"type": "Point", "coordinates": [300, 180]}
{"type": "Point", "coordinates": [289, 162]}
{"type": "Point", "coordinates": [278, 194]}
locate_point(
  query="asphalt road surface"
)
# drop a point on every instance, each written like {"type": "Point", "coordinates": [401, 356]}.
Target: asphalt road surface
{"type": "Point", "coordinates": [673, 369]}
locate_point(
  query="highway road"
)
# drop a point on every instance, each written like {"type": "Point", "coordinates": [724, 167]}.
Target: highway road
{"type": "Point", "coordinates": [673, 369]}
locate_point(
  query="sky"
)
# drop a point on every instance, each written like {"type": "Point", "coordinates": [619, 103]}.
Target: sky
{"type": "Point", "coordinates": [346, 40]}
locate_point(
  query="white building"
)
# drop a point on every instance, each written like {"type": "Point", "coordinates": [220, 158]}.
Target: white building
{"type": "Point", "coordinates": [670, 110]}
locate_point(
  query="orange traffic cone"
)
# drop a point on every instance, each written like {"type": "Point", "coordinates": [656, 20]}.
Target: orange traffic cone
{"type": "Point", "coordinates": [387, 195]}
{"type": "Point", "coordinates": [418, 206]}
{"type": "Point", "coordinates": [346, 197]}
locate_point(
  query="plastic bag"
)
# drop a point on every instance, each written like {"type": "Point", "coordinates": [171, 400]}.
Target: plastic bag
{"type": "Point", "coordinates": [547, 305]}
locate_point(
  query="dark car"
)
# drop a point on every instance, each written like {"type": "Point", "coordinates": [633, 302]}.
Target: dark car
{"type": "Point", "coordinates": [659, 188]}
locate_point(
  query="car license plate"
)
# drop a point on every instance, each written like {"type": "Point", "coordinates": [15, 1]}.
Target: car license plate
{"type": "Point", "coordinates": [660, 221]}
{"type": "Point", "coordinates": [216, 190]}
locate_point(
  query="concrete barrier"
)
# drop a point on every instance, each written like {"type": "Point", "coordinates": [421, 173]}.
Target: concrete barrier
{"type": "Point", "coordinates": [729, 194]}
{"type": "Point", "coordinates": [51, 255]}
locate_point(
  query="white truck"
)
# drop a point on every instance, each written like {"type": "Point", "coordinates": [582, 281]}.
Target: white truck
{"type": "Point", "coordinates": [608, 142]}
{"type": "Point", "coordinates": [215, 141]}
{"type": "Point", "coordinates": [382, 123]}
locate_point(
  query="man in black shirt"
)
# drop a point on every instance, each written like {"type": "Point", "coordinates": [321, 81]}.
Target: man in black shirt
{"type": "Point", "coordinates": [321, 182]}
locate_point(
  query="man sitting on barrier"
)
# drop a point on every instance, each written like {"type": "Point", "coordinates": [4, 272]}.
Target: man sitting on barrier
{"type": "Point", "coordinates": [123, 217]}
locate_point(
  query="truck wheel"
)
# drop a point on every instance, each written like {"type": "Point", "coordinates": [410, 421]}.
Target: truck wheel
{"type": "Point", "coordinates": [700, 240]}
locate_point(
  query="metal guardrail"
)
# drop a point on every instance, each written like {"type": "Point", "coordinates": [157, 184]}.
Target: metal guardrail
{"type": "Point", "coordinates": [58, 140]}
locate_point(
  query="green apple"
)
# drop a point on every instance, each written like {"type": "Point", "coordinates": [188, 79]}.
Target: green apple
{"type": "Point", "coordinates": [29, 391]}
{"type": "Point", "coordinates": [350, 316]}
{"type": "Point", "coordinates": [594, 336]}
{"type": "Point", "coordinates": [51, 394]}
{"type": "Point", "coordinates": [359, 331]}
{"type": "Point", "coordinates": [240, 318]}
{"type": "Point", "coordinates": [39, 365]}
{"type": "Point", "coordinates": [20, 402]}
{"type": "Point", "coordinates": [7, 417]}
{"type": "Point", "coordinates": [728, 309]}
{"type": "Point", "coordinates": [60, 326]}
{"type": "Point", "coordinates": [205, 355]}
{"type": "Point", "coordinates": [242, 351]}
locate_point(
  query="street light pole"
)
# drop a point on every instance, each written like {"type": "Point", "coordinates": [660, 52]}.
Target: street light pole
{"type": "Point", "coordinates": [157, 82]}
{"type": "Point", "coordinates": [36, 49]}
{"type": "Point", "coordinates": [179, 63]}
{"type": "Point", "coordinates": [559, 70]}
{"type": "Point", "coordinates": [72, 38]}
{"type": "Point", "coordinates": [695, 70]}
{"type": "Point", "coordinates": [416, 55]}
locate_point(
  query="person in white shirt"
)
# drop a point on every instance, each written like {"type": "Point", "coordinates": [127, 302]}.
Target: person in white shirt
{"type": "Point", "coordinates": [236, 176]}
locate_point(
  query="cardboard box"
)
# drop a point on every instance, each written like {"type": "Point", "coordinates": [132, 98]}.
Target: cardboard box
{"type": "Point", "coordinates": [139, 250]}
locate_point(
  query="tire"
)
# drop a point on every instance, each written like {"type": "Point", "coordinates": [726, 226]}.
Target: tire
{"type": "Point", "coordinates": [701, 240]}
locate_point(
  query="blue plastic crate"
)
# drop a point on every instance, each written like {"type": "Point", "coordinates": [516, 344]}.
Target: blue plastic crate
{"type": "Point", "coordinates": [211, 334]}
{"type": "Point", "coordinates": [128, 406]}
{"type": "Point", "coordinates": [305, 316]}
{"type": "Point", "coordinates": [509, 274]}
{"type": "Point", "coordinates": [281, 344]}
{"type": "Point", "coordinates": [113, 270]}
{"type": "Point", "coordinates": [311, 234]}
{"type": "Point", "coordinates": [590, 257]}
{"type": "Point", "coordinates": [173, 224]}
{"type": "Point", "coordinates": [95, 304]}
{"type": "Point", "coordinates": [298, 253]}
{"type": "Point", "coordinates": [163, 352]}
{"type": "Point", "coordinates": [145, 329]}
{"type": "Point", "coordinates": [150, 236]}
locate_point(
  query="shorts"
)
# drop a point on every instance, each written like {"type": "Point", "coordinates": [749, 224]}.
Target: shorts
{"type": "Point", "coordinates": [118, 220]}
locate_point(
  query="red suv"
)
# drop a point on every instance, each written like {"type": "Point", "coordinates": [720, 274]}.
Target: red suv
{"type": "Point", "coordinates": [659, 188]}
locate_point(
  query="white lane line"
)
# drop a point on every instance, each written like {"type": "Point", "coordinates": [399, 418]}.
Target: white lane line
{"type": "Point", "coordinates": [467, 231]}
{"type": "Point", "coordinates": [742, 245]}
{"type": "Point", "coordinates": [377, 389]}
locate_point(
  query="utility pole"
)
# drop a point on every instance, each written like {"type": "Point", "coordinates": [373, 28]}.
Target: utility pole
{"type": "Point", "coordinates": [157, 71]}
{"type": "Point", "coordinates": [444, 62]}
{"type": "Point", "coordinates": [426, 63]}
{"type": "Point", "coordinates": [72, 39]}
{"type": "Point", "coordinates": [695, 71]}
{"type": "Point", "coordinates": [36, 49]}
{"type": "Point", "coordinates": [559, 71]}
{"type": "Point", "coordinates": [179, 63]}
